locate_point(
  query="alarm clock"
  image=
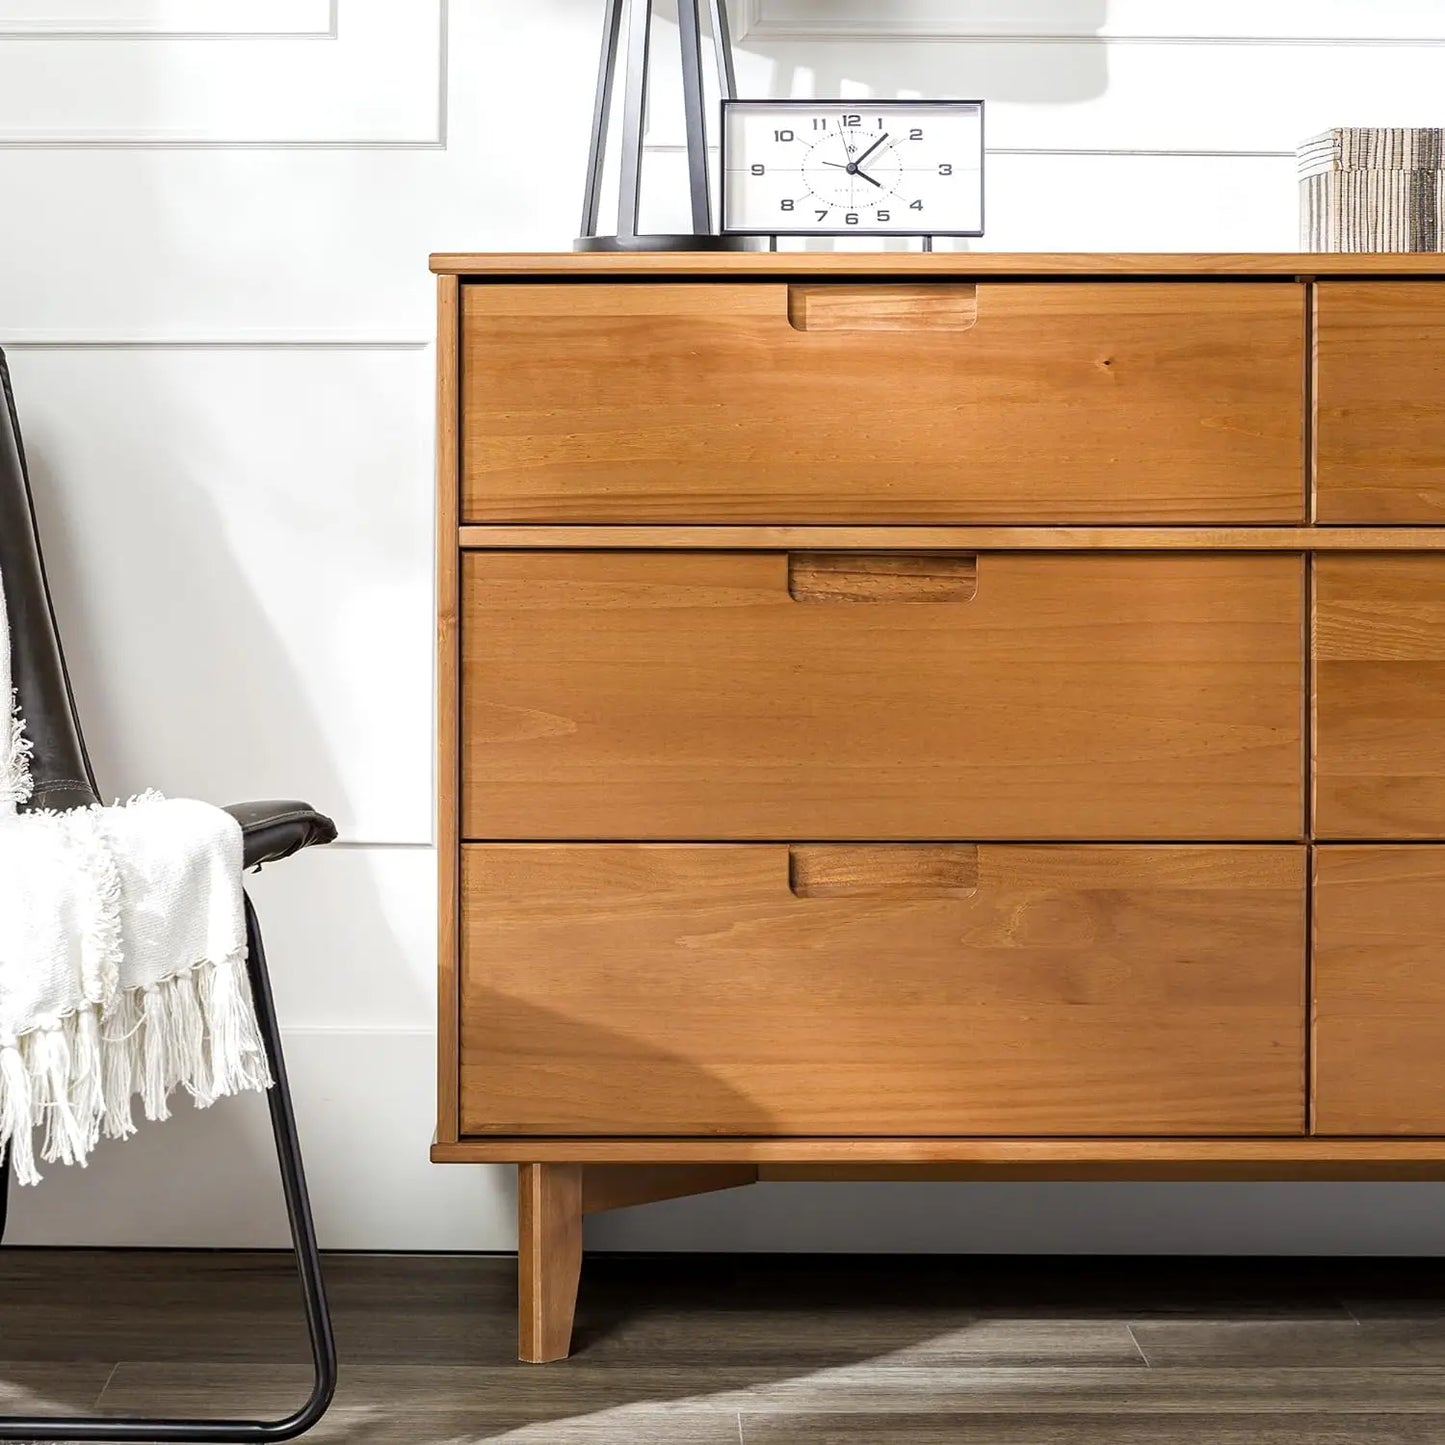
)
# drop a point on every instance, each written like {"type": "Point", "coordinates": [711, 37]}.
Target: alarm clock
{"type": "Point", "coordinates": [852, 167]}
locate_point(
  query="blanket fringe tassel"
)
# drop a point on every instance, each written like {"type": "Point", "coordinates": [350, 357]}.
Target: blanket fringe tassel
{"type": "Point", "coordinates": [76, 1078]}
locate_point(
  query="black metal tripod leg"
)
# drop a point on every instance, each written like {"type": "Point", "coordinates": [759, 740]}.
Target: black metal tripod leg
{"type": "Point", "coordinates": [308, 1263]}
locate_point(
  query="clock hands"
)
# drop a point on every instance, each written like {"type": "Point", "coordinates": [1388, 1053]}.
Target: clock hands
{"type": "Point", "coordinates": [855, 168]}
{"type": "Point", "coordinates": [852, 169]}
{"type": "Point", "coordinates": [858, 164]}
{"type": "Point", "coordinates": [871, 149]}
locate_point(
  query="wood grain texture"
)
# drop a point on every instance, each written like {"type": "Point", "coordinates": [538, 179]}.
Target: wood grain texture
{"type": "Point", "coordinates": [448, 700]}
{"type": "Point", "coordinates": [657, 695]}
{"type": "Point", "coordinates": [1064, 403]}
{"type": "Point", "coordinates": [1379, 990]}
{"type": "Point", "coordinates": [1379, 681]}
{"type": "Point", "coordinates": [815, 1350]}
{"type": "Point", "coordinates": [623, 1186]}
{"type": "Point", "coordinates": [965, 539]}
{"type": "Point", "coordinates": [687, 990]}
{"type": "Point", "coordinates": [549, 1259]}
{"type": "Point", "coordinates": [1304, 264]}
{"type": "Point", "coordinates": [1112, 1158]}
{"type": "Point", "coordinates": [1380, 402]}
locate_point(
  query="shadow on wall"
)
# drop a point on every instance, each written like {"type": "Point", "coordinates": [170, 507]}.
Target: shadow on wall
{"type": "Point", "coordinates": [1045, 52]}
{"type": "Point", "coordinates": [165, 632]}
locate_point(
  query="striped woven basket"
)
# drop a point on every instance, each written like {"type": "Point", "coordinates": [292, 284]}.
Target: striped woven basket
{"type": "Point", "coordinates": [1364, 189]}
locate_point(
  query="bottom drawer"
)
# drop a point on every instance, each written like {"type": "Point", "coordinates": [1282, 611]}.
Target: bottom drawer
{"type": "Point", "coordinates": [1379, 990]}
{"type": "Point", "coordinates": [660, 989]}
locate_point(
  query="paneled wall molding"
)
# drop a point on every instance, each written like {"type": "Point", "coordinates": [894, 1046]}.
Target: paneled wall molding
{"type": "Point", "coordinates": [168, 19]}
{"type": "Point", "coordinates": [57, 339]}
{"type": "Point", "coordinates": [1122, 24]}
{"type": "Point", "coordinates": [382, 84]}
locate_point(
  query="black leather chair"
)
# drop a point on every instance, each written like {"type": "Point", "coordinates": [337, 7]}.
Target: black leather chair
{"type": "Point", "coordinates": [274, 830]}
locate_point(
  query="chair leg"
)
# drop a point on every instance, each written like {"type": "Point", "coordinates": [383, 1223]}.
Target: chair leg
{"type": "Point", "coordinates": [308, 1261]}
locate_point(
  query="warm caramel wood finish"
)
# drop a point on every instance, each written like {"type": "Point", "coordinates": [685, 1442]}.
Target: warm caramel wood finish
{"type": "Point", "coordinates": [448, 702]}
{"type": "Point", "coordinates": [966, 539]}
{"type": "Point", "coordinates": [1293, 1158]}
{"type": "Point", "coordinates": [656, 695]}
{"type": "Point", "coordinates": [687, 402]}
{"type": "Point", "coordinates": [1379, 681]}
{"type": "Point", "coordinates": [840, 570]}
{"type": "Point", "coordinates": [1380, 402]}
{"type": "Point", "coordinates": [549, 1259]}
{"type": "Point", "coordinates": [1379, 990]}
{"type": "Point", "coordinates": [938, 264]}
{"type": "Point", "coordinates": [687, 990]}
{"type": "Point", "coordinates": [623, 1186]}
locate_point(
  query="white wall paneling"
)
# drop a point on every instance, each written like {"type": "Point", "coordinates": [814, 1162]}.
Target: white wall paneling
{"type": "Point", "coordinates": [241, 539]}
{"type": "Point", "coordinates": [381, 82]}
{"type": "Point", "coordinates": [213, 285]}
{"type": "Point", "coordinates": [175, 19]}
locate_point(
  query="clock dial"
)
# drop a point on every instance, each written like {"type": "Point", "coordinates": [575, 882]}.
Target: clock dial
{"type": "Point", "coordinates": [841, 167]}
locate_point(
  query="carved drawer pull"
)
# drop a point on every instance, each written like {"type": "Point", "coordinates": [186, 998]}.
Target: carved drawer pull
{"type": "Point", "coordinates": [882, 308]}
{"type": "Point", "coordinates": [882, 577]}
{"type": "Point", "coordinates": [883, 870]}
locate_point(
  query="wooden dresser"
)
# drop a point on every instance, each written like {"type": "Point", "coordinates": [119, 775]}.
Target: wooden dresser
{"type": "Point", "coordinates": [950, 716]}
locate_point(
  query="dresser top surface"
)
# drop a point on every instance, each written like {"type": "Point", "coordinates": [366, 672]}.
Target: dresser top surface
{"type": "Point", "coordinates": [954, 263]}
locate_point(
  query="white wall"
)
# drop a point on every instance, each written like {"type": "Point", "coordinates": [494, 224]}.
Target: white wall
{"type": "Point", "coordinates": [213, 289]}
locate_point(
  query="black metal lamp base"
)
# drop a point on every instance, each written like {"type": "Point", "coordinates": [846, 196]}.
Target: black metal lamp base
{"type": "Point", "coordinates": [665, 243]}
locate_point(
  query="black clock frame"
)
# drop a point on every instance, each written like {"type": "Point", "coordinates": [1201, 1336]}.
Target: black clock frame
{"type": "Point", "coordinates": [862, 103]}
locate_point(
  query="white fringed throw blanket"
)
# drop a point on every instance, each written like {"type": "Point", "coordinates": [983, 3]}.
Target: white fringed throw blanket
{"type": "Point", "coordinates": [122, 961]}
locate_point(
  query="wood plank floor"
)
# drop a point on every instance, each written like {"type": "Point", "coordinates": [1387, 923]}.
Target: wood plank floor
{"type": "Point", "coordinates": [755, 1350]}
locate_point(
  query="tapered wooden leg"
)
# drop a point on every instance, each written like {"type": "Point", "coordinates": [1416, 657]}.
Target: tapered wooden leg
{"type": "Point", "coordinates": [549, 1259]}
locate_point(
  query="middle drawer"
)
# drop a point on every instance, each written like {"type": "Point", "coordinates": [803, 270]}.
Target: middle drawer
{"type": "Point", "coordinates": [765, 695]}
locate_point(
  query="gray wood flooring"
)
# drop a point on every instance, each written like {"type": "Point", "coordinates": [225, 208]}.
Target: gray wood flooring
{"type": "Point", "coordinates": [758, 1350]}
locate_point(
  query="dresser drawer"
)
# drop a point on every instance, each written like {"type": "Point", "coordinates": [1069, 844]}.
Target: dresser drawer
{"type": "Point", "coordinates": [1379, 701]}
{"type": "Point", "coordinates": [764, 990]}
{"type": "Point", "coordinates": [849, 402]}
{"type": "Point", "coordinates": [766, 695]}
{"type": "Point", "coordinates": [1380, 402]}
{"type": "Point", "coordinates": [1379, 990]}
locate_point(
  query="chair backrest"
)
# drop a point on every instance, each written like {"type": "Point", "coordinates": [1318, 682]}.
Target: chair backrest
{"type": "Point", "coordinates": [59, 763]}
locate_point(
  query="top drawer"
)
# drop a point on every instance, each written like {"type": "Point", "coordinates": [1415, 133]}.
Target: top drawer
{"type": "Point", "coordinates": [1380, 401]}
{"type": "Point", "coordinates": [761, 402]}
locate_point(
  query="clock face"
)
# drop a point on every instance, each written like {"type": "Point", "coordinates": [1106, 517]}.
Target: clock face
{"type": "Point", "coordinates": [843, 167]}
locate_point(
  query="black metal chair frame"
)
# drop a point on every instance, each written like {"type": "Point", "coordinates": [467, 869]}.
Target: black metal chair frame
{"type": "Point", "coordinates": [271, 831]}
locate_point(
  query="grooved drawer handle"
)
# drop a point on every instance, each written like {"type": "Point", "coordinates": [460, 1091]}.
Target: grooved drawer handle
{"type": "Point", "coordinates": [883, 870]}
{"type": "Point", "coordinates": [882, 308]}
{"type": "Point", "coordinates": [882, 577]}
